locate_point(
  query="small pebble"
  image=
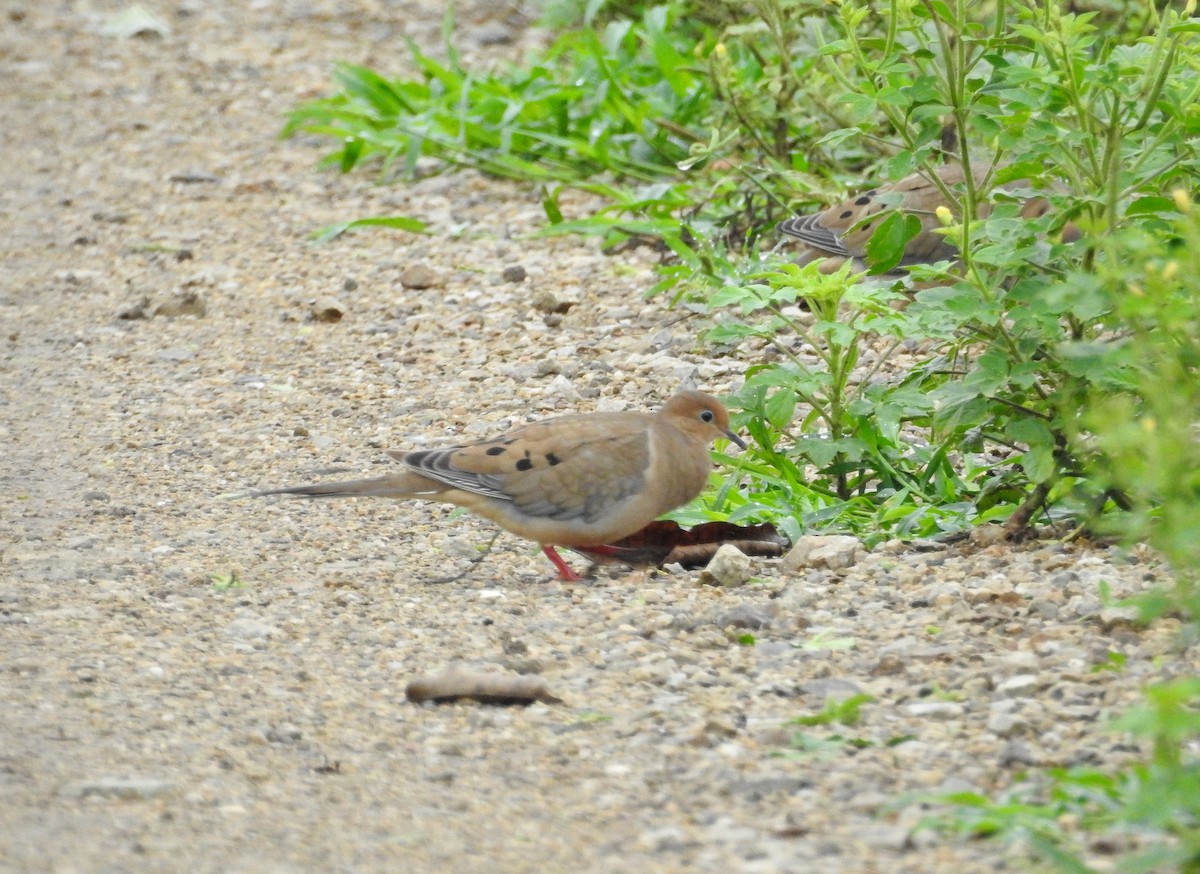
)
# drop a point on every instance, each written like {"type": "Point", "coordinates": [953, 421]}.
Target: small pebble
{"type": "Point", "coordinates": [728, 567]}
{"type": "Point", "coordinates": [420, 276]}
{"type": "Point", "coordinates": [118, 788]}
{"type": "Point", "coordinates": [185, 303]}
{"type": "Point", "coordinates": [327, 309]}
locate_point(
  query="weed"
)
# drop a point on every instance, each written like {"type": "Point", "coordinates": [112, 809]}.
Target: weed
{"type": "Point", "coordinates": [845, 712]}
{"type": "Point", "coordinates": [225, 582]}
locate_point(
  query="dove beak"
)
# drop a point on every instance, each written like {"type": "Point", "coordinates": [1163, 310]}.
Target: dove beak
{"type": "Point", "coordinates": [735, 438]}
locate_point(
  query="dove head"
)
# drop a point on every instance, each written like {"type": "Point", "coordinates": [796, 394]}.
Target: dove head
{"type": "Point", "coordinates": [702, 415]}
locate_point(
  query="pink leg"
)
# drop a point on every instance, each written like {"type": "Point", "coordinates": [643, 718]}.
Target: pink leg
{"type": "Point", "coordinates": [564, 570]}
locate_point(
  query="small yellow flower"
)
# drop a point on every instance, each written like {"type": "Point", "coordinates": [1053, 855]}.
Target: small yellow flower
{"type": "Point", "coordinates": [944, 216]}
{"type": "Point", "coordinates": [1182, 202]}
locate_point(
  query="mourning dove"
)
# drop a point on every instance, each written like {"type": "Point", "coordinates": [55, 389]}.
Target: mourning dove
{"type": "Point", "coordinates": [843, 231]}
{"type": "Point", "coordinates": [575, 481]}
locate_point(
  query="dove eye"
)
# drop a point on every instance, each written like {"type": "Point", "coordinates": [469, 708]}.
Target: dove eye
{"type": "Point", "coordinates": [706, 416]}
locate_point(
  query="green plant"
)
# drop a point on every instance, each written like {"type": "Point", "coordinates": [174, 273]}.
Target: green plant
{"type": "Point", "coordinates": [401, 223]}
{"type": "Point", "coordinates": [802, 745]}
{"type": "Point", "coordinates": [1113, 661]}
{"type": "Point", "coordinates": [847, 711]}
{"type": "Point", "coordinates": [982, 429]}
{"type": "Point", "coordinates": [225, 582]}
{"type": "Point", "coordinates": [1139, 429]}
{"type": "Point", "coordinates": [614, 101]}
{"type": "Point", "coordinates": [824, 639]}
{"type": "Point", "coordinates": [1151, 808]}
{"type": "Point", "coordinates": [846, 463]}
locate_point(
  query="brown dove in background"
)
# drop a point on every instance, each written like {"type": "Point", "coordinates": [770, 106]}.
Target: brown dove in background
{"type": "Point", "coordinates": [843, 231]}
{"type": "Point", "coordinates": [575, 481]}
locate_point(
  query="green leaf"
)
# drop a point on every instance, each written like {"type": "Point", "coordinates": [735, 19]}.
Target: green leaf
{"type": "Point", "coordinates": [780, 407]}
{"type": "Point", "coordinates": [1031, 431]}
{"type": "Point", "coordinates": [398, 222]}
{"type": "Point", "coordinates": [351, 152]}
{"type": "Point", "coordinates": [1039, 464]}
{"type": "Point", "coordinates": [1152, 205]}
{"type": "Point", "coordinates": [550, 205]}
{"type": "Point", "coordinates": [886, 247]}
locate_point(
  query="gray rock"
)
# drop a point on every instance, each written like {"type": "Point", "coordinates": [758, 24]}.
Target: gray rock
{"type": "Point", "coordinates": [935, 710]}
{"type": "Point", "coordinates": [891, 838]}
{"type": "Point", "coordinates": [546, 302]}
{"type": "Point", "coordinates": [493, 34]}
{"type": "Point", "coordinates": [745, 616]}
{"type": "Point", "coordinates": [420, 276]}
{"type": "Point", "coordinates": [134, 310]}
{"type": "Point", "coordinates": [194, 177]}
{"type": "Point", "coordinates": [561, 387]}
{"type": "Point", "coordinates": [249, 628]}
{"type": "Point", "coordinates": [1043, 608]}
{"type": "Point", "coordinates": [118, 788]}
{"type": "Point", "coordinates": [327, 309]}
{"type": "Point", "coordinates": [184, 303]}
{"type": "Point", "coordinates": [176, 355]}
{"type": "Point", "coordinates": [729, 567]}
{"type": "Point", "coordinates": [830, 687]}
{"type": "Point", "coordinates": [836, 552]}
{"type": "Point", "coordinates": [762, 786]}
{"type": "Point", "coordinates": [283, 734]}
{"type": "Point", "coordinates": [1114, 617]}
{"type": "Point", "coordinates": [1019, 686]}
{"type": "Point", "coordinates": [1004, 722]}
{"type": "Point", "coordinates": [1019, 753]}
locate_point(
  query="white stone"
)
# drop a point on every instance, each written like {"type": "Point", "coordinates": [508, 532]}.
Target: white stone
{"type": "Point", "coordinates": [835, 551]}
{"type": "Point", "coordinates": [729, 567]}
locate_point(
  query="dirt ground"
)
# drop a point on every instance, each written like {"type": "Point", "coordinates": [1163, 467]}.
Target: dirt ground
{"type": "Point", "coordinates": [191, 681]}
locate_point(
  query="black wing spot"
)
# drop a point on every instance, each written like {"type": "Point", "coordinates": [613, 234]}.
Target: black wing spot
{"type": "Point", "coordinates": [866, 198]}
{"type": "Point", "coordinates": [497, 450]}
{"type": "Point", "coordinates": [553, 459]}
{"type": "Point", "coordinates": [524, 464]}
{"type": "Point", "coordinates": [867, 226]}
{"type": "Point", "coordinates": [847, 214]}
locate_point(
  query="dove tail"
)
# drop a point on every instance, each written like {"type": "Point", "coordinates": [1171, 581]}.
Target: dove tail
{"type": "Point", "coordinates": [382, 487]}
{"type": "Point", "coordinates": [809, 229]}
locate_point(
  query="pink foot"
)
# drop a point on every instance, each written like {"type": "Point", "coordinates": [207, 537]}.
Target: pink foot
{"type": "Point", "coordinates": [564, 570]}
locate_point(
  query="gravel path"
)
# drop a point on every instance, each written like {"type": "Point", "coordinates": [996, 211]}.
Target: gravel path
{"type": "Point", "coordinates": [152, 719]}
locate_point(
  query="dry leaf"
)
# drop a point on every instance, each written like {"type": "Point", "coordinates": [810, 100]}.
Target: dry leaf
{"type": "Point", "coordinates": [664, 542]}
